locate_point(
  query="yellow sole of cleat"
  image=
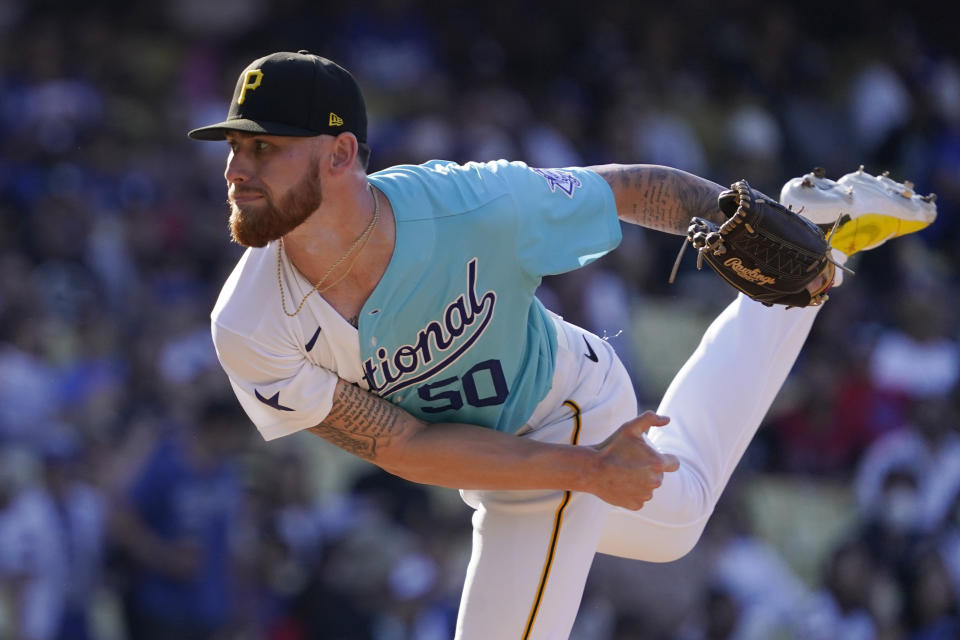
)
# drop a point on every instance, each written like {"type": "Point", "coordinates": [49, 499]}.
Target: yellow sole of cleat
{"type": "Point", "coordinates": [870, 230]}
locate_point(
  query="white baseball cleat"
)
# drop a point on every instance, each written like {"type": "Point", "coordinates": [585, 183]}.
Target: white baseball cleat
{"type": "Point", "coordinates": [859, 211]}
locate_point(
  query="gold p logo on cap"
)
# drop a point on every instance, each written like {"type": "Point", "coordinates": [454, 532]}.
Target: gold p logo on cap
{"type": "Point", "coordinates": [250, 82]}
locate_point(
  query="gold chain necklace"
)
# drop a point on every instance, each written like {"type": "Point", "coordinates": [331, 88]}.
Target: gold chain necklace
{"type": "Point", "coordinates": [357, 245]}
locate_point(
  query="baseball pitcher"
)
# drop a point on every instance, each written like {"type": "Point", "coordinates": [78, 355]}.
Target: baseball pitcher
{"type": "Point", "coordinates": [395, 315]}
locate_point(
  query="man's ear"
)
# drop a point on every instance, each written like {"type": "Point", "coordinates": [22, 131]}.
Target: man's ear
{"type": "Point", "coordinates": [343, 152]}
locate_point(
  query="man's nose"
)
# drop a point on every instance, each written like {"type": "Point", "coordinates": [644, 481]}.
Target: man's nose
{"type": "Point", "coordinates": [238, 169]}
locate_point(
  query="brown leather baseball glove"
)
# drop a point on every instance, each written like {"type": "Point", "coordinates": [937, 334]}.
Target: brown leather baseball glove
{"type": "Point", "coordinates": [763, 249]}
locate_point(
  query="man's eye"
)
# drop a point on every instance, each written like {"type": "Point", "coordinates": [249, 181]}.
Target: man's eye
{"type": "Point", "coordinates": [261, 145]}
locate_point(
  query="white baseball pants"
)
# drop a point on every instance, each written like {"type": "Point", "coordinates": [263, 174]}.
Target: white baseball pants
{"type": "Point", "coordinates": [532, 549]}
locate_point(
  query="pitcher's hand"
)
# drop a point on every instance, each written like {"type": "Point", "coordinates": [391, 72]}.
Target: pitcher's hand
{"type": "Point", "coordinates": [628, 468]}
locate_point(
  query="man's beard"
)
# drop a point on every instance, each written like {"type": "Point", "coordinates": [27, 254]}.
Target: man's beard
{"type": "Point", "coordinates": [255, 227]}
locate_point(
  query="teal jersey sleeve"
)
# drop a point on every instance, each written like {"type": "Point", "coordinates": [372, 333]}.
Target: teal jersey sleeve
{"type": "Point", "coordinates": [453, 330]}
{"type": "Point", "coordinates": [567, 218]}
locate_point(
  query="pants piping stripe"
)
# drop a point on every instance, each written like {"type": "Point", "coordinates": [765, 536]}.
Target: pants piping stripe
{"type": "Point", "coordinates": [557, 521]}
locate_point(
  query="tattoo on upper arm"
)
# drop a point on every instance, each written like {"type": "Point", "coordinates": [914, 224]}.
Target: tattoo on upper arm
{"type": "Point", "coordinates": [662, 198]}
{"type": "Point", "coordinates": [360, 422]}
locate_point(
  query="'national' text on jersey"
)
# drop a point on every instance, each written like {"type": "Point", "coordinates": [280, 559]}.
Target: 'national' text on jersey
{"type": "Point", "coordinates": [438, 336]}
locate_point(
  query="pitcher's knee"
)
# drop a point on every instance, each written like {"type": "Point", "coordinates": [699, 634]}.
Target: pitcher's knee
{"type": "Point", "coordinates": [677, 544]}
{"type": "Point", "coordinates": [642, 539]}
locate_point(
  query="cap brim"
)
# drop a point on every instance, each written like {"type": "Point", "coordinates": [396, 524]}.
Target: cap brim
{"type": "Point", "coordinates": [219, 131]}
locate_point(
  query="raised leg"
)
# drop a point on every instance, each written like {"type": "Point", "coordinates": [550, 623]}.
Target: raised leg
{"type": "Point", "coordinates": [715, 404]}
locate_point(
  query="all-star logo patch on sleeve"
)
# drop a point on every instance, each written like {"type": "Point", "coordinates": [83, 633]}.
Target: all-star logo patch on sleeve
{"type": "Point", "coordinates": [560, 179]}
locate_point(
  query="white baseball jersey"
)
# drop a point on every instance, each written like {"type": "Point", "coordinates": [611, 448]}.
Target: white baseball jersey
{"type": "Point", "coordinates": [453, 331]}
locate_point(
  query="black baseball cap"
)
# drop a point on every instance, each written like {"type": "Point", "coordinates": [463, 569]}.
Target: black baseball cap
{"type": "Point", "coordinates": [293, 94]}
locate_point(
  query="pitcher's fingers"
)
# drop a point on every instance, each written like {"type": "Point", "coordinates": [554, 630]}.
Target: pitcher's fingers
{"type": "Point", "coordinates": [670, 462]}
{"type": "Point", "coordinates": [642, 423]}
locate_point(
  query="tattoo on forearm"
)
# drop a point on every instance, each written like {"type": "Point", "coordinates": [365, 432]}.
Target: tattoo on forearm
{"type": "Point", "coordinates": [662, 198]}
{"type": "Point", "coordinates": [360, 422]}
{"type": "Point", "coordinates": [361, 446]}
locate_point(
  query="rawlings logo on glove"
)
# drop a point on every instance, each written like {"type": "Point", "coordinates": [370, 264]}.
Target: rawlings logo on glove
{"type": "Point", "coordinates": [752, 275]}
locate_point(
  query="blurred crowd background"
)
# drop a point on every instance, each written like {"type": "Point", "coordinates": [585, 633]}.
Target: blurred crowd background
{"type": "Point", "coordinates": [137, 501]}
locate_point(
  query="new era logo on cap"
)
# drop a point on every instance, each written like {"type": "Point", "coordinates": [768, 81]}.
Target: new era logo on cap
{"type": "Point", "coordinates": [293, 94]}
